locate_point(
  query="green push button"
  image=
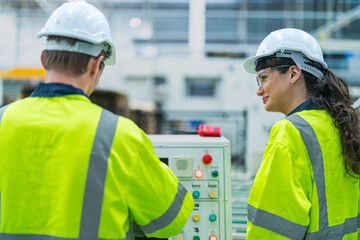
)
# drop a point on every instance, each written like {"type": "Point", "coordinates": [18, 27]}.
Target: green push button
{"type": "Point", "coordinates": [196, 238]}
{"type": "Point", "coordinates": [212, 217]}
{"type": "Point", "coordinates": [196, 194]}
{"type": "Point", "coordinates": [215, 173]}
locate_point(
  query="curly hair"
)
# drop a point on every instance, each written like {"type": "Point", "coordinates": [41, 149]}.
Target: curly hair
{"type": "Point", "coordinates": [336, 99]}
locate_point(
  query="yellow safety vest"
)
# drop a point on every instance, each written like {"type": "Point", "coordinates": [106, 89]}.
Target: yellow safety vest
{"type": "Point", "coordinates": [301, 190]}
{"type": "Point", "coordinates": [72, 170]}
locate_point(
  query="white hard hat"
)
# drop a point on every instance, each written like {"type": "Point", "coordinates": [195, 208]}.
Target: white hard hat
{"type": "Point", "coordinates": [290, 43]}
{"type": "Point", "coordinates": [84, 22]}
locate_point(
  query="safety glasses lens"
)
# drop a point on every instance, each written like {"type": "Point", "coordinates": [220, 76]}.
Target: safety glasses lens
{"type": "Point", "coordinates": [262, 77]}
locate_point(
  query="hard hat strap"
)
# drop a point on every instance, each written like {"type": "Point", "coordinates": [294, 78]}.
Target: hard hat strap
{"type": "Point", "coordinates": [79, 47]}
{"type": "Point", "coordinates": [301, 61]}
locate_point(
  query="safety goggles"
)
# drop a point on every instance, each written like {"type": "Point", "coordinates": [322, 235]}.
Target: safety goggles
{"type": "Point", "coordinates": [263, 76]}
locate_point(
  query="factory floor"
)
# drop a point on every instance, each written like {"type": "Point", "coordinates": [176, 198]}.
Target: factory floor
{"type": "Point", "coordinates": [240, 189]}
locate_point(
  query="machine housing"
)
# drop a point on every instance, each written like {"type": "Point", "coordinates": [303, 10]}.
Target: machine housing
{"type": "Point", "coordinates": [202, 164]}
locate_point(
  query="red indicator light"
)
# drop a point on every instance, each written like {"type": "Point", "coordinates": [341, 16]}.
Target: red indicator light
{"type": "Point", "coordinates": [212, 237]}
{"type": "Point", "coordinates": [207, 159]}
{"type": "Point", "coordinates": [199, 173]}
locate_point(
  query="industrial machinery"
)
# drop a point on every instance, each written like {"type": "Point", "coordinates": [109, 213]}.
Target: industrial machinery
{"type": "Point", "coordinates": [202, 164]}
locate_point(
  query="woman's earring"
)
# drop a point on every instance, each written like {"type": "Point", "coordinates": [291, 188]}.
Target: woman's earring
{"type": "Point", "coordinates": [291, 84]}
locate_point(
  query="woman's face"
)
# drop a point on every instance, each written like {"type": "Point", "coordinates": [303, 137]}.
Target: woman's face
{"type": "Point", "coordinates": [274, 88]}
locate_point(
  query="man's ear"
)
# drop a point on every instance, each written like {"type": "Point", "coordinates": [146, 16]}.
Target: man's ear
{"type": "Point", "coordinates": [42, 59]}
{"type": "Point", "coordinates": [94, 64]}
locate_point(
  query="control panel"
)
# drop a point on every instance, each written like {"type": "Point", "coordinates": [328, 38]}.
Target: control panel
{"type": "Point", "coordinates": [202, 164]}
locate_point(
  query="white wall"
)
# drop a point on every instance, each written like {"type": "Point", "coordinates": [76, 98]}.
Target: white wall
{"type": "Point", "coordinates": [18, 43]}
{"type": "Point", "coordinates": [232, 93]}
{"type": "Point", "coordinates": [8, 37]}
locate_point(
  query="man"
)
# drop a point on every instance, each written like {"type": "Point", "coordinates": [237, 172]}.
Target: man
{"type": "Point", "coordinates": [70, 169]}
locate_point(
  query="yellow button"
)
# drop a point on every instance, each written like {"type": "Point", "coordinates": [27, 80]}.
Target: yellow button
{"type": "Point", "coordinates": [179, 237]}
{"type": "Point", "coordinates": [212, 194]}
{"type": "Point", "coordinates": [196, 218]}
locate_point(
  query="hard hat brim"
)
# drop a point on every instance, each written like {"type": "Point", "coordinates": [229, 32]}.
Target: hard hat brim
{"type": "Point", "coordinates": [249, 64]}
{"type": "Point", "coordinates": [112, 59]}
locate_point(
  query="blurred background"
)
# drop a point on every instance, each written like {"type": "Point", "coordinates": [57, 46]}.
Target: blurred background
{"type": "Point", "coordinates": [179, 62]}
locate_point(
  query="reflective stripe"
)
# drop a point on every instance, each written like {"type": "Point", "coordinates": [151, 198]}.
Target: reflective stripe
{"type": "Point", "coordinates": [170, 214]}
{"type": "Point", "coordinates": [2, 110]}
{"type": "Point", "coordinates": [336, 232]}
{"type": "Point", "coordinates": [95, 181]}
{"type": "Point", "coordinates": [94, 189]}
{"type": "Point", "coordinates": [130, 233]}
{"type": "Point", "coordinates": [275, 223]}
{"type": "Point", "coordinates": [315, 154]}
{"type": "Point", "coordinates": [349, 226]}
{"type": "Point", "coordinates": [358, 221]}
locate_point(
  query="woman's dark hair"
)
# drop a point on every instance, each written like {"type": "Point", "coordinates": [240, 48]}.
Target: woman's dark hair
{"type": "Point", "coordinates": [336, 99]}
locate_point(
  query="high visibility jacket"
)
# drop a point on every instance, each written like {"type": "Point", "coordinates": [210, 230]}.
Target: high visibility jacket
{"type": "Point", "coordinates": [301, 190]}
{"type": "Point", "coordinates": [72, 170]}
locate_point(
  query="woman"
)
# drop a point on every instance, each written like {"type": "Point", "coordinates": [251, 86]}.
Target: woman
{"type": "Point", "coordinates": [307, 186]}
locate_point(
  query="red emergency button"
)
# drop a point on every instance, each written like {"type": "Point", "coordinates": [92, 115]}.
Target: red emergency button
{"type": "Point", "coordinates": [207, 159]}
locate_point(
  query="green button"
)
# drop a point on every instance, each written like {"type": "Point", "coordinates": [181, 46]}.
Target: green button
{"type": "Point", "coordinates": [212, 217]}
{"type": "Point", "coordinates": [196, 194]}
{"type": "Point", "coordinates": [215, 173]}
{"type": "Point", "coordinates": [196, 238]}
